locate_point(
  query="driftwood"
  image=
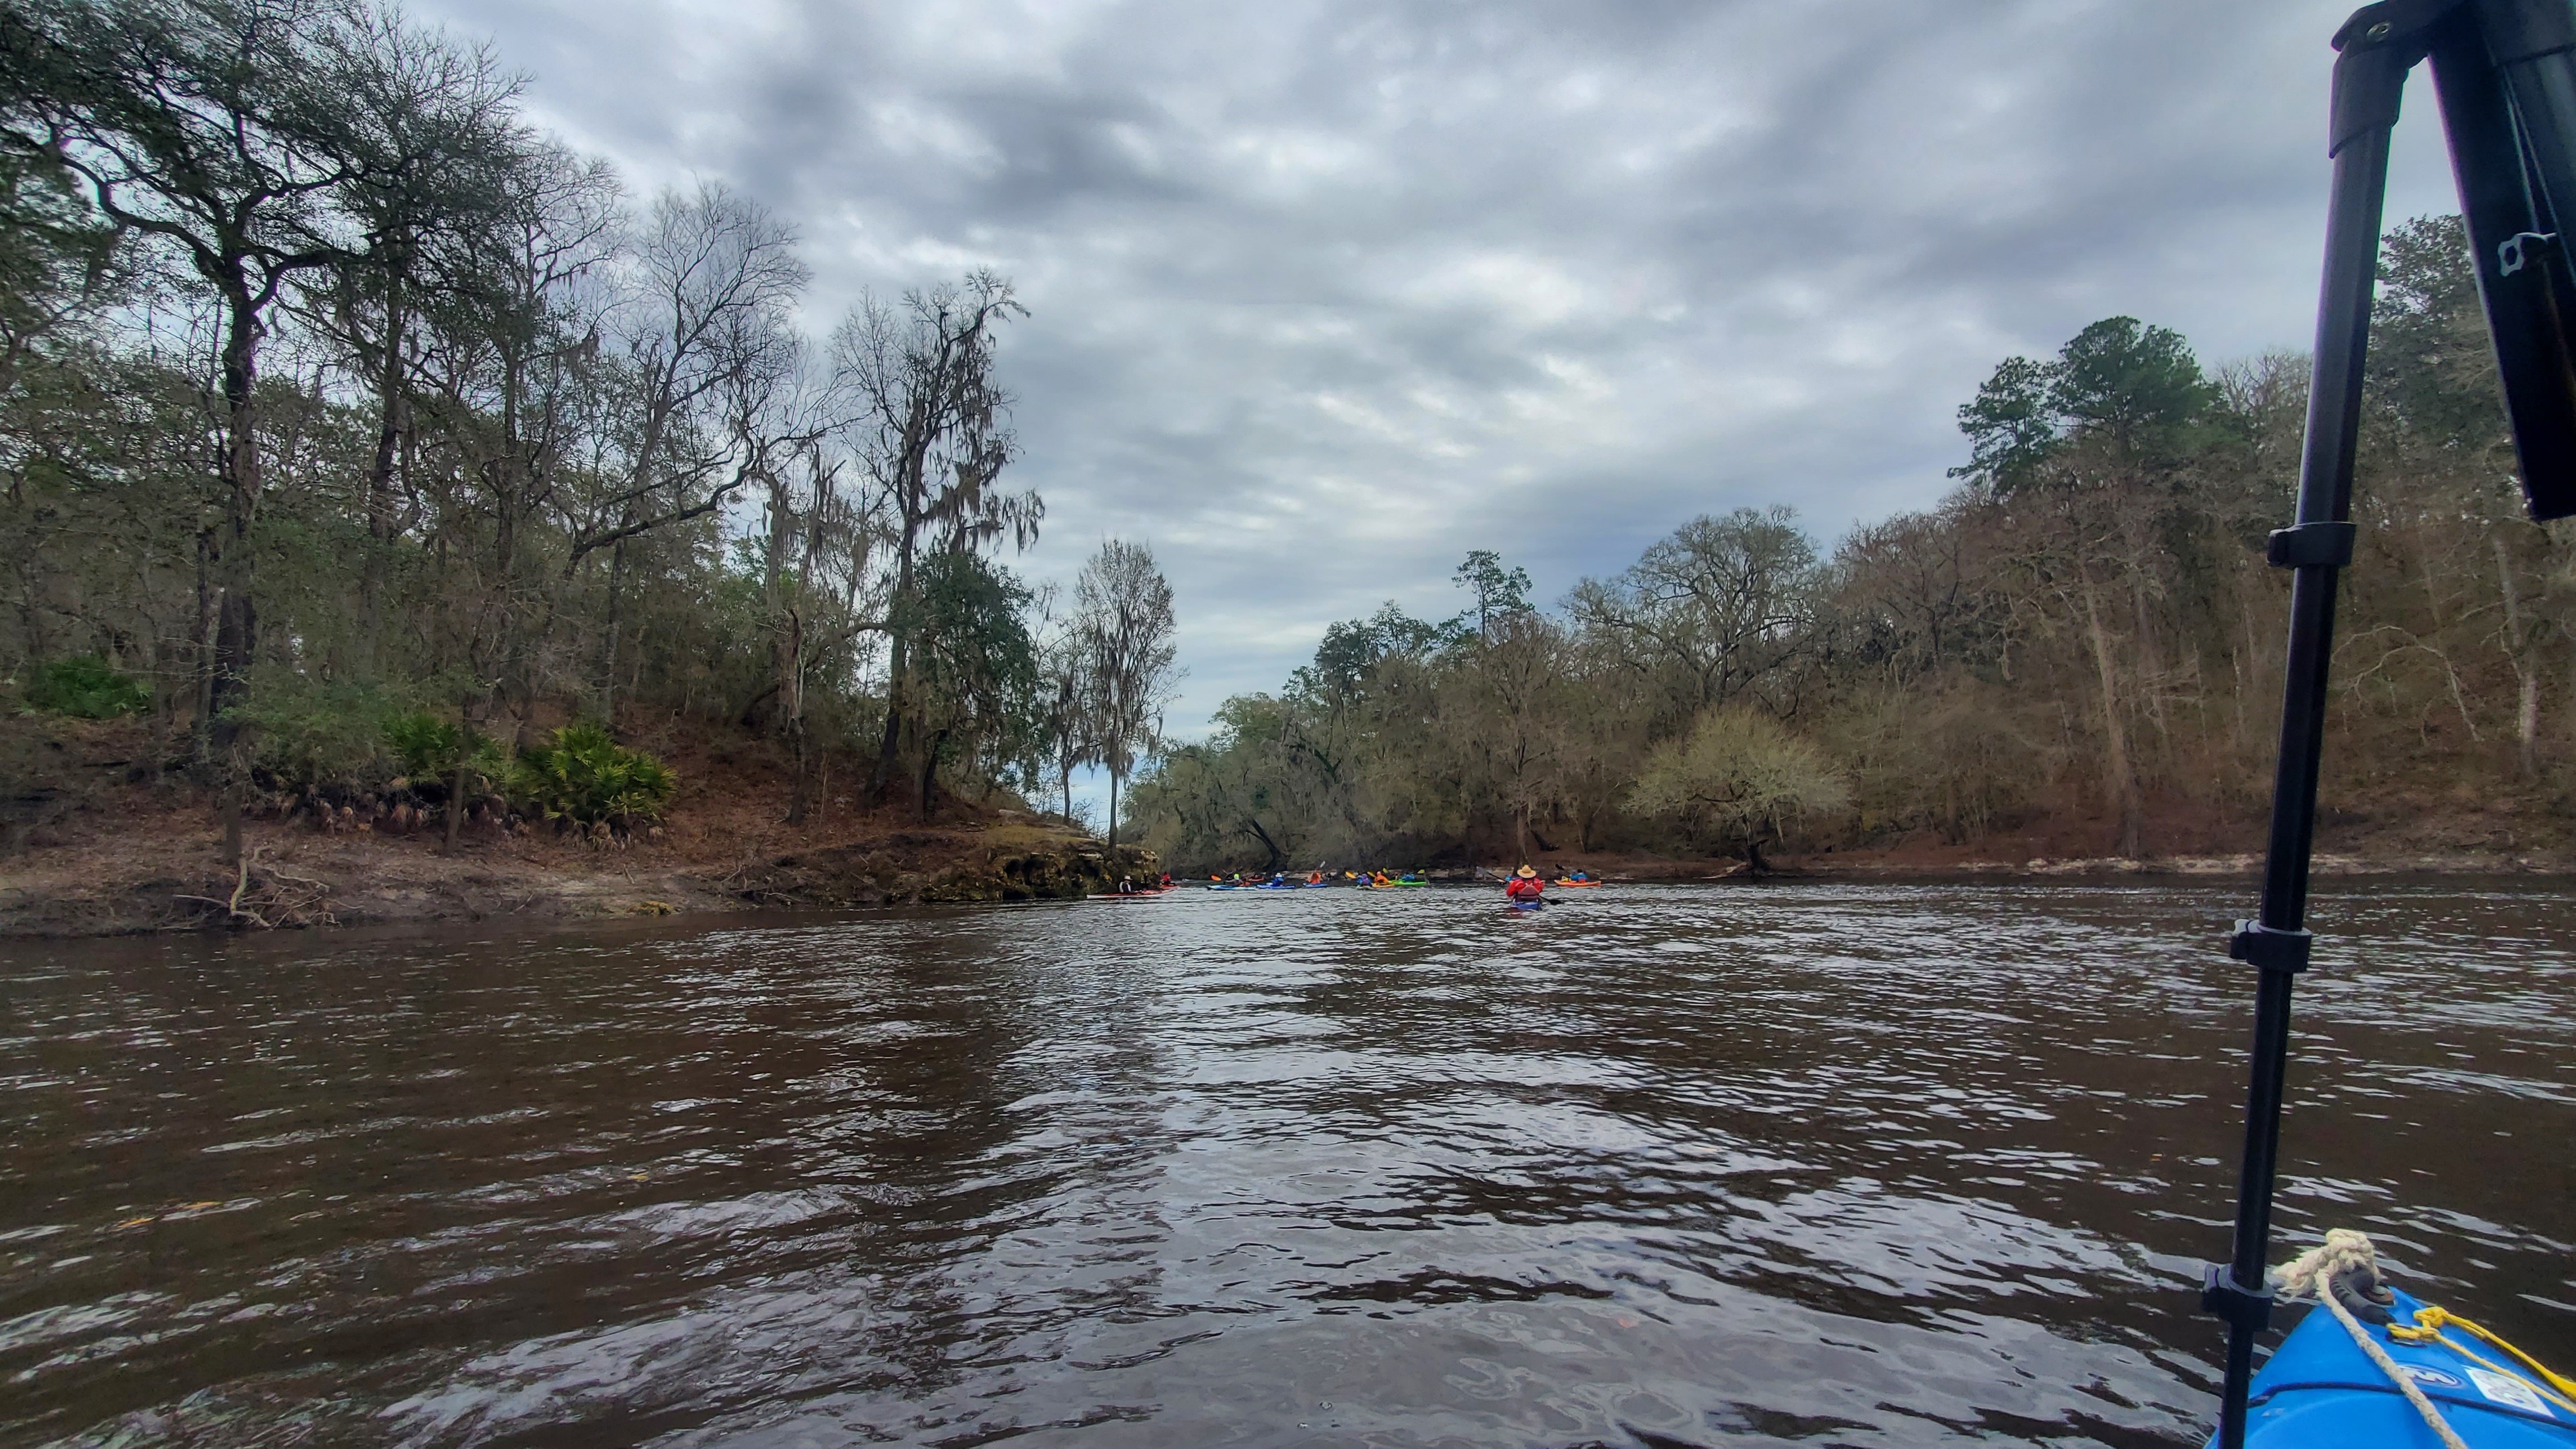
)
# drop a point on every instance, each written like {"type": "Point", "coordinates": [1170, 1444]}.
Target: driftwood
{"type": "Point", "coordinates": [271, 899]}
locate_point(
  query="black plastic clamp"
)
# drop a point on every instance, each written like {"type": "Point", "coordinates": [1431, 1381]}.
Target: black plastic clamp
{"type": "Point", "coordinates": [2310, 544]}
{"type": "Point", "coordinates": [2270, 949]}
{"type": "Point", "coordinates": [2225, 1298]}
{"type": "Point", "coordinates": [2522, 249]}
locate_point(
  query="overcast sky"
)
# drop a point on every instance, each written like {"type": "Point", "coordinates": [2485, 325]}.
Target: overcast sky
{"type": "Point", "coordinates": [1324, 295]}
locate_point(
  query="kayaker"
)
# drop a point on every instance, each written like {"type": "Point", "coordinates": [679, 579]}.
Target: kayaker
{"type": "Point", "coordinates": [1126, 885]}
{"type": "Point", "coordinates": [1524, 888]}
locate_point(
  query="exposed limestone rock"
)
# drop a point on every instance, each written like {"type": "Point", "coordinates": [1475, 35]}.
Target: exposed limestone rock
{"type": "Point", "coordinates": [938, 866]}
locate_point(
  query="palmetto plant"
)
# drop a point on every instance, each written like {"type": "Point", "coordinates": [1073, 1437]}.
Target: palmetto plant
{"type": "Point", "coordinates": [426, 745]}
{"type": "Point", "coordinates": [582, 776]}
{"type": "Point", "coordinates": [429, 749]}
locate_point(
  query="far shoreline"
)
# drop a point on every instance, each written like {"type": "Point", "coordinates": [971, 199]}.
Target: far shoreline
{"type": "Point", "coordinates": [162, 882]}
{"type": "Point", "coordinates": [115, 850]}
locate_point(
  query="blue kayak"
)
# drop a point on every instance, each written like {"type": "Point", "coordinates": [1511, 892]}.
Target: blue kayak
{"type": "Point", "coordinates": [2320, 1389]}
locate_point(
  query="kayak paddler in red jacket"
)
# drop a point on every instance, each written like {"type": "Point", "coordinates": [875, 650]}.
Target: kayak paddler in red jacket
{"type": "Point", "coordinates": [1524, 888]}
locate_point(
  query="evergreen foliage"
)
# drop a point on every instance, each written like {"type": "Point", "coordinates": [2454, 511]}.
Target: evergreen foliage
{"type": "Point", "coordinates": [307, 734]}
{"type": "Point", "coordinates": [85, 688]}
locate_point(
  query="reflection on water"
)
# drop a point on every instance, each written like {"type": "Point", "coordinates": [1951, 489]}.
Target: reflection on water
{"type": "Point", "coordinates": [1835, 1164]}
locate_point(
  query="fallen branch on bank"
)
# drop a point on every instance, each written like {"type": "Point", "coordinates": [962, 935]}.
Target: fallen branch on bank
{"type": "Point", "coordinates": [271, 899]}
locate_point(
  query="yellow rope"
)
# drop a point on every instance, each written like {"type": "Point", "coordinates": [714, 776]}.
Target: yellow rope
{"type": "Point", "coordinates": [2313, 1272]}
{"type": "Point", "coordinates": [2428, 1326]}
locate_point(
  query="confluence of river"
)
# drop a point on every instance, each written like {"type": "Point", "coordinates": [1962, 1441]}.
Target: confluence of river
{"type": "Point", "coordinates": [1834, 1164]}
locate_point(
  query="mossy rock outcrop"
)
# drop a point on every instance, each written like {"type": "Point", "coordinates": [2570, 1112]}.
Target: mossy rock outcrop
{"type": "Point", "coordinates": [937, 866]}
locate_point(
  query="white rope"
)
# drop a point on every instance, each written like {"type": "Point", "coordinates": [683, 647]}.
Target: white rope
{"type": "Point", "coordinates": [2312, 1274]}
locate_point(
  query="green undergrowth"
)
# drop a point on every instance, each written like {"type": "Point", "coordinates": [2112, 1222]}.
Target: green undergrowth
{"type": "Point", "coordinates": [84, 688]}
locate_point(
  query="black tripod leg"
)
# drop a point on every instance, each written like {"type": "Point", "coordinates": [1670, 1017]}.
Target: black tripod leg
{"type": "Point", "coordinates": [2368, 79]}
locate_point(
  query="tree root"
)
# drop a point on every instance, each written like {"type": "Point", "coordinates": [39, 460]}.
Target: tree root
{"type": "Point", "coordinates": [270, 899]}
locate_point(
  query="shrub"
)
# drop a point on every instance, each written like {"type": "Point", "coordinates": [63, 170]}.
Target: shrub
{"type": "Point", "coordinates": [429, 749]}
{"type": "Point", "coordinates": [312, 733]}
{"type": "Point", "coordinates": [583, 776]}
{"type": "Point", "coordinates": [426, 745]}
{"type": "Point", "coordinates": [1742, 775]}
{"type": "Point", "coordinates": [85, 688]}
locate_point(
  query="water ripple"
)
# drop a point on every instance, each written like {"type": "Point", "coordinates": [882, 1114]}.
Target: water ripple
{"type": "Point", "coordinates": [1834, 1164]}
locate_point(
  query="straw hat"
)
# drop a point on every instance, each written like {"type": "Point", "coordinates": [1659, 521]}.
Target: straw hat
{"type": "Point", "coordinates": [1528, 874]}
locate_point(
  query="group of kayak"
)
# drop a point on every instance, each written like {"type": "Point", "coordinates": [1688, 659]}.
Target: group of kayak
{"type": "Point", "coordinates": [1525, 884]}
{"type": "Point", "coordinates": [1523, 890]}
{"type": "Point", "coordinates": [1317, 879]}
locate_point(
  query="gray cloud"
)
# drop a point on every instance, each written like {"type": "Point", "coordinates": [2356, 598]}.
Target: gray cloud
{"type": "Point", "coordinates": [1325, 294]}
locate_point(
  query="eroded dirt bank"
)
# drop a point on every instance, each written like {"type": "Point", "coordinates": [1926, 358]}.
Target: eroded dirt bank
{"type": "Point", "coordinates": [100, 842]}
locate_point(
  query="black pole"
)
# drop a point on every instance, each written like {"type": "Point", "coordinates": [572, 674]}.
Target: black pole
{"type": "Point", "coordinates": [2507, 72]}
{"type": "Point", "coordinates": [2369, 76]}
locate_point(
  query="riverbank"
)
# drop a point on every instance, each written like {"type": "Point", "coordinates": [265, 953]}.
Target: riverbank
{"type": "Point", "coordinates": [95, 839]}
{"type": "Point", "coordinates": [1912, 864]}
{"type": "Point", "coordinates": [100, 842]}
{"type": "Point", "coordinates": [2393, 834]}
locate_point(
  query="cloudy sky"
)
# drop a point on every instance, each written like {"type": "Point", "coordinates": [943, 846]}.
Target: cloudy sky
{"type": "Point", "coordinates": [1326, 294]}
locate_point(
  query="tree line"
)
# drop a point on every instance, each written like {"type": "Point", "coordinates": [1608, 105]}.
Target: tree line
{"type": "Point", "coordinates": [335, 392]}
{"type": "Point", "coordinates": [2082, 632]}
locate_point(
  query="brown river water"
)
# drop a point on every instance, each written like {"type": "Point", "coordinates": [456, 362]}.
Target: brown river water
{"type": "Point", "coordinates": [1822, 1164]}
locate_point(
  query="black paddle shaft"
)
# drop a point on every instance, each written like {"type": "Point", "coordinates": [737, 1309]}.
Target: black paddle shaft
{"type": "Point", "coordinates": [2506, 71]}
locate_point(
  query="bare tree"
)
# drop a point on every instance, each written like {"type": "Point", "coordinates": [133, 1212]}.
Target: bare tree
{"type": "Point", "coordinates": [1718, 608]}
{"type": "Point", "coordinates": [506, 386]}
{"type": "Point", "coordinates": [785, 447]}
{"type": "Point", "coordinates": [1514, 690]}
{"type": "Point", "coordinates": [921, 375]}
{"type": "Point", "coordinates": [1123, 611]}
{"type": "Point", "coordinates": [1065, 702]}
{"type": "Point", "coordinates": [447, 160]}
{"type": "Point", "coordinates": [708, 340]}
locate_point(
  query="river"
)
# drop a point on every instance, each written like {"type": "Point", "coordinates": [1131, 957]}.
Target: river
{"type": "Point", "coordinates": [1828, 1164]}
